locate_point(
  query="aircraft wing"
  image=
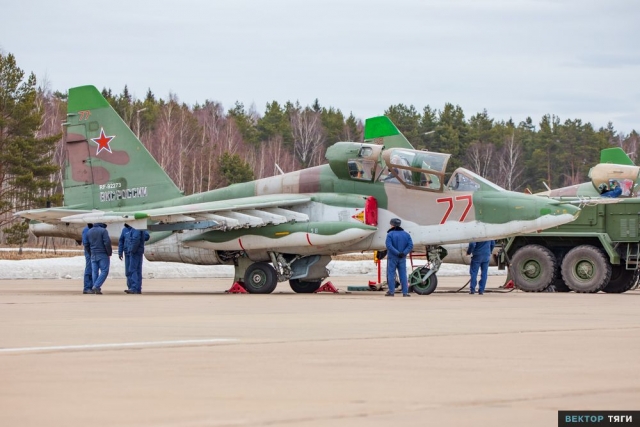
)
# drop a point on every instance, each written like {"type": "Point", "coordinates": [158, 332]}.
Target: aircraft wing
{"type": "Point", "coordinates": [226, 214]}
{"type": "Point", "coordinates": [49, 214]}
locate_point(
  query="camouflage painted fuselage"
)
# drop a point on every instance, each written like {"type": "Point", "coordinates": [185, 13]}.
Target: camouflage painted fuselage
{"type": "Point", "coordinates": [343, 206]}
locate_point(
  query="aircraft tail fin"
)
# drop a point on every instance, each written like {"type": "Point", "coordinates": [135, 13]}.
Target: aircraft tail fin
{"type": "Point", "coordinates": [616, 156]}
{"type": "Point", "coordinates": [106, 166]}
{"type": "Point", "coordinates": [381, 130]}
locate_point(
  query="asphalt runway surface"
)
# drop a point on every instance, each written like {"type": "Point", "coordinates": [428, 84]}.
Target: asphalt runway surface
{"type": "Point", "coordinates": [186, 354]}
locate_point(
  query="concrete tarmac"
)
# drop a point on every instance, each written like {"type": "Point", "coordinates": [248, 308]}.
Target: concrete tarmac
{"type": "Point", "coordinates": [186, 354]}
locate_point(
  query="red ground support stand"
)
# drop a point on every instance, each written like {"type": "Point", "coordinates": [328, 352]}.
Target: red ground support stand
{"type": "Point", "coordinates": [236, 288]}
{"type": "Point", "coordinates": [327, 287]}
{"type": "Point", "coordinates": [378, 264]}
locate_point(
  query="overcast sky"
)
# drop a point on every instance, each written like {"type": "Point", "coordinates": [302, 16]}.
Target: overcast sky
{"type": "Point", "coordinates": [514, 58]}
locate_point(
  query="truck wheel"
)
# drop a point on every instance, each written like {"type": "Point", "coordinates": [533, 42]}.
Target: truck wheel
{"type": "Point", "coordinates": [301, 287]}
{"type": "Point", "coordinates": [621, 280]}
{"type": "Point", "coordinates": [423, 288]}
{"type": "Point", "coordinates": [533, 268]}
{"type": "Point", "coordinates": [260, 278]}
{"type": "Point", "coordinates": [585, 269]}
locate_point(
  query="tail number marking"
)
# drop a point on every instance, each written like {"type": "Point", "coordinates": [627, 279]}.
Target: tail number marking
{"type": "Point", "coordinates": [84, 114]}
{"type": "Point", "coordinates": [450, 202]}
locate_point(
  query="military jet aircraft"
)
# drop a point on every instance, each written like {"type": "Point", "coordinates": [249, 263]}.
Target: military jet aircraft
{"type": "Point", "coordinates": [288, 226]}
{"type": "Point", "coordinates": [615, 167]}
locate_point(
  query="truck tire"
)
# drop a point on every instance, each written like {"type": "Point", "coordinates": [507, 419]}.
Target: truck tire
{"type": "Point", "coordinates": [585, 269]}
{"type": "Point", "coordinates": [533, 268]}
{"type": "Point", "coordinates": [621, 280]}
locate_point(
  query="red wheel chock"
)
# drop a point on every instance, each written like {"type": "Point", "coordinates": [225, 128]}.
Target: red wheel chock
{"type": "Point", "coordinates": [236, 288]}
{"type": "Point", "coordinates": [327, 287]}
{"type": "Point", "coordinates": [509, 285]}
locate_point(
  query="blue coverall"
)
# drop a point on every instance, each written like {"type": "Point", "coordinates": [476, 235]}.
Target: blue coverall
{"type": "Point", "coordinates": [88, 281]}
{"type": "Point", "coordinates": [136, 252]}
{"type": "Point", "coordinates": [616, 192]}
{"type": "Point", "coordinates": [123, 250]}
{"type": "Point", "coordinates": [100, 246]}
{"type": "Point", "coordinates": [398, 242]}
{"type": "Point", "coordinates": [480, 254]}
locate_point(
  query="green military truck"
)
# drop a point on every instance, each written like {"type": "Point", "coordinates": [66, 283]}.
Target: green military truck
{"type": "Point", "coordinates": [599, 251]}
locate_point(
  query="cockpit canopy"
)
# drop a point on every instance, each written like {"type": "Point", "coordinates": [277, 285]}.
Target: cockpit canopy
{"type": "Point", "coordinates": [413, 168]}
{"type": "Point", "coordinates": [368, 162]}
{"type": "Point", "coordinates": [423, 170]}
{"type": "Point", "coordinates": [465, 180]}
{"type": "Point", "coordinates": [606, 175]}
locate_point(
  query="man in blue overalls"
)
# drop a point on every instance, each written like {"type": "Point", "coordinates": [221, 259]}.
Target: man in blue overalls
{"type": "Point", "coordinates": [88, 281]}
{"type": "Point", "coordinates": [123, 250]}
{"type": "Point", "coordinates": [480, 254]}
{"type": "Point", "coordinates": [399, 245]}
{"type": "Point", "coordinates": [136, 252]}
{"type": "Point", "coordinates": [101, 251]}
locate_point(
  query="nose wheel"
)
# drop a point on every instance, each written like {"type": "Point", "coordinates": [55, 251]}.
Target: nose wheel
{"type": "Point", "coordinates": [423, 283]}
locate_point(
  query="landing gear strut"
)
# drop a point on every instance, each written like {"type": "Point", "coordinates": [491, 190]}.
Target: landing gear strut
{"type": "Point", "coordinates": [423, 280]}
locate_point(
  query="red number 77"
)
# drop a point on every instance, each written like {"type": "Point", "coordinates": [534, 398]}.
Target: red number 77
{"type": "Point", "coordinates": [449, 200]}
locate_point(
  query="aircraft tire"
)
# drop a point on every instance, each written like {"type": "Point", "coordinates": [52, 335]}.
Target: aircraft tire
{"type": "Point", "coordinates": [585, 269]}
{"type": "Point", "coordinates": [533, 268]}
{"type": "Point", "coordinates": [423, 288]}
{"type": "Point", "coordinates": [621, 280]}
{"type": "Point", "coordinates": [260, 278]}
{"type": "Point", "coordinates": [304, 287]}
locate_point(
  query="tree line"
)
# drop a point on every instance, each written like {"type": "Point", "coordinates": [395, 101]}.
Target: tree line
{"type": "Point", "coordinates": [205, 146]}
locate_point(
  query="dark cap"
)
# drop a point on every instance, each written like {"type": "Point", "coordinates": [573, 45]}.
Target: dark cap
{"type": "Point", "coordinates": [395, 222]}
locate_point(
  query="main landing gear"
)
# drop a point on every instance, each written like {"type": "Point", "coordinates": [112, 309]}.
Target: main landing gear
{"type": "Point", "coordinates": [305, 274]}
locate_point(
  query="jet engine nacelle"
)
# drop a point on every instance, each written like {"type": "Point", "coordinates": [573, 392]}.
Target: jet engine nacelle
{"type": "Point", "coordinates": [172, 249]}
{"type": "Point", "coordinates": [64, 230]}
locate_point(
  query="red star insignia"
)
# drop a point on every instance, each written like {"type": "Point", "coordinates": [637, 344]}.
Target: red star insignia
{"type": "Point", "coordinates": [103, 142]}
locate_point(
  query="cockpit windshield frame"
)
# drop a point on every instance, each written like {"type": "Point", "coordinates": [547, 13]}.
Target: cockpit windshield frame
{"type": "Point", "coordinates": [419, 169]}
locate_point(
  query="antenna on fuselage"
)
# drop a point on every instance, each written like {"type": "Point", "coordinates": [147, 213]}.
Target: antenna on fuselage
{"type": "Point", "coordinates": [279, 170]}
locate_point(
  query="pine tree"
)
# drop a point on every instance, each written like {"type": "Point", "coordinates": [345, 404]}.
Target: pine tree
{"type": "Point", "coordinates": [234, 169]}
{"type": "Point", "coordinates": [26, 161]}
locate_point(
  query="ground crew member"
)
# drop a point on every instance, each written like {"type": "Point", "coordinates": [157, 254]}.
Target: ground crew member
{"type": "Point", "coordinates": [399, 245]}
{"type": "Point", "coordinates": [614, 190]}
{"type": "Point", "coordinates": [136, 253]}
{"type": "Point", "coordinates": [100, 246]}
{"type": "Point", "coordinates": [88, 281]}
{"type": "Point", "coordinates": [480, 254]}
{"type": "Point", "coordinates": [124, 251]}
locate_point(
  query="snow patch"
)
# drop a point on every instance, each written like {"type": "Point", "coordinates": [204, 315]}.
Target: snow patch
{"type": "Point", "coordinates": [73, 268]}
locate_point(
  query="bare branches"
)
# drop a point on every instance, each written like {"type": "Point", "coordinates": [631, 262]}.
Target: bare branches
{"type": "Point", "coordinates": [308, 134]}
{"type": "Point", "coordinates": [510, 164]}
